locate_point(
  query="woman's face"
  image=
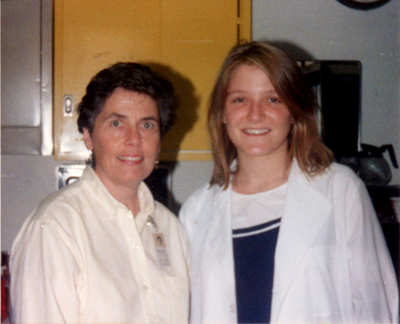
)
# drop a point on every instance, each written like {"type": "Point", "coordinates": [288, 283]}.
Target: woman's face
{"type": "Point", "coordinates": [258, 123]}
{"type": "Point", "coordinates": [125, 139]}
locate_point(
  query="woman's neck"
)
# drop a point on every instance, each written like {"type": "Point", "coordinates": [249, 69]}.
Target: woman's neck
{"type": "Point", "coordinates": [259, 174]}
{"type": "Point", "coordinates": [127, 195]}
{"type": "Point", "coordinates": [131, 200]}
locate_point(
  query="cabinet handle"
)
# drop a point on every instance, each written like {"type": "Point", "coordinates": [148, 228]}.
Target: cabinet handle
{"type": "Point", "coordinates": [68, 105]}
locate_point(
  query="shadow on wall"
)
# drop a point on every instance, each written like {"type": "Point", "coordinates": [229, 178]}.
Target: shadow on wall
{"type": "Point", "coordinates": [188, 102]}
{"type": "Point", "coordinates": [295, 51]}
{"type": "Point", "coordinates": [187, 108]}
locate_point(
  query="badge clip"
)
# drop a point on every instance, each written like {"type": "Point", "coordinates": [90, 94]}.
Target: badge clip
{"type": "Point", "coordinates": [150, 222]}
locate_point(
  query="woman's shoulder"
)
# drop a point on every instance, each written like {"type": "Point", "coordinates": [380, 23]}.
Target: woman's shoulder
{"type": "Point", "coordinates": [164, 213]}
{"type": "Point", "coordinates": [55, 214]}
{"type": "Point", "coordinates": [62, 202]}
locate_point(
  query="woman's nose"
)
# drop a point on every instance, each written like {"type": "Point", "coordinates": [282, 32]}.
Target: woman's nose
{"type": "Point", "coordinates": [132, 136]}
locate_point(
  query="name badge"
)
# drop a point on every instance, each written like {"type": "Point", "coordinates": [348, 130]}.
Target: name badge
{"type": "Point", "coordinates": [161, 249]}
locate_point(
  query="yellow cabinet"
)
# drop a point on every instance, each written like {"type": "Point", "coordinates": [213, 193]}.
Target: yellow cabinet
{"type": "Point", "coordinates": [184, 40]}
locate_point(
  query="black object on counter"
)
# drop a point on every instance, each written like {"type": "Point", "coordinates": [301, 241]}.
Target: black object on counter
{"type": "Point", "coordinates": [371, 165]}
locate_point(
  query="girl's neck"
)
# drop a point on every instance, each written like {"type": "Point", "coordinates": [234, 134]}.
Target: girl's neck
{"type": "Point", "coordinates": [261, 174]}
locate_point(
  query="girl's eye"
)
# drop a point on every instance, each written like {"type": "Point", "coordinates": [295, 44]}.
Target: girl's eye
{"type": "Point", "coordinates": [116, 123]}
{"type": "Point", "coordinates": [239, 100]}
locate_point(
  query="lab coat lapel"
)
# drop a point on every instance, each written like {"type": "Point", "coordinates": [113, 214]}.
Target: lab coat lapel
{"type": "Point", "coordinates": [218, 252]}
{"type": "Point", "coordinates": [305, 212]}
{"type": "Point", "coordinates": [221, 231]}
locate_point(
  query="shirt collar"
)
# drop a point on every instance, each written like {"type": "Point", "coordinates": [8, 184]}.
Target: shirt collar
{"type": "Point", "coordinates": [146, 200]}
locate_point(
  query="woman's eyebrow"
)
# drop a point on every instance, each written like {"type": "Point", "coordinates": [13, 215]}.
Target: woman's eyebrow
{"type": "Point", "coordinates": [113, 115]}
{"type": "Point", "coordinates": [151, 118]}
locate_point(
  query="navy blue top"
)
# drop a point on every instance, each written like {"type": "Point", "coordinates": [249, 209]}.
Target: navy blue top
{"type": "Point", "coordinates": [254, 250]}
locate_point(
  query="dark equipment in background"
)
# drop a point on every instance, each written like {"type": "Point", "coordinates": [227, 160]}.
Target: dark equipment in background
{"type": "Point", "coordinates": [338, 88]}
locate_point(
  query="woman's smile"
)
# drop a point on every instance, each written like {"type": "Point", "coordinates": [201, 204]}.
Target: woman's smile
{"type": "Point", "coordinates": [131, 158]}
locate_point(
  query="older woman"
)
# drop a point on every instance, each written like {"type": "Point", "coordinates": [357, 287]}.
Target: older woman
{"type": "Point", "coordinates": [90, 253]}
{"type": "Point", "coordinates": [281, 234]}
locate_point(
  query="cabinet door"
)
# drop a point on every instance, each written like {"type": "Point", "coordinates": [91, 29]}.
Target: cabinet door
{"type": "Point", "coordinates": [26, 87]}
{"type": "Point", "coordinates": [184, 40]}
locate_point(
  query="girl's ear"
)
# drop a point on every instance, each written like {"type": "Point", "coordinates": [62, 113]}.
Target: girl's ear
{"type": "Point", "coordinates": [223, 117]}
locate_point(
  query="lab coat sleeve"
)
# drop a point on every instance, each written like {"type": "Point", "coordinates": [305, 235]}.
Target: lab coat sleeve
{"type": "Point", "coordinates": [373, 280]}
{"type": "Point", "coordinates": [44, 270]}
{"type": "Point", "coordinates": [185, 245]}
{"type": "Point", "coordinates": [189, 213]}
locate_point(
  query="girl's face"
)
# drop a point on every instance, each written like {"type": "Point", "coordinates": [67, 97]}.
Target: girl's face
{"type": "Point", "coordinates": [257, 121]}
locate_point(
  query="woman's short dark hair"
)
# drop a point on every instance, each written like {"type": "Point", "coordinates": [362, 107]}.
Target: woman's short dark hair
{"type": "Point", "coordinates": [132, 77]}
{"type": "Point", "coordinates": [304, 140]}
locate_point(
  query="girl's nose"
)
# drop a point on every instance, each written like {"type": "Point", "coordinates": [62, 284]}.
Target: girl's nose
{"type": "Point", "coordinates": [256, 112]}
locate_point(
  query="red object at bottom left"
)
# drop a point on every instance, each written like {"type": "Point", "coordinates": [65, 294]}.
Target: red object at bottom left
{"type": "Point", "coordinates": [5, 283]}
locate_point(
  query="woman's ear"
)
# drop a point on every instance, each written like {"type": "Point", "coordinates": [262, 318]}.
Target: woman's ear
{"type": "Point", "coordinates": [87, 139]}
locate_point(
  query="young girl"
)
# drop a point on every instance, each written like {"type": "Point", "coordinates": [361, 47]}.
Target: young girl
{"type": "Point", "coordinates": [281, 234]}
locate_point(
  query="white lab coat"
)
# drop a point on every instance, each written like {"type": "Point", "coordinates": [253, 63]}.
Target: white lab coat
{"type": "Point", "coordinates": [332, 264]}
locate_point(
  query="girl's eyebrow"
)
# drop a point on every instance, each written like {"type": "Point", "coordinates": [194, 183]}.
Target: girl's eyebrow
{"type": "Point", "coordinates": [229, 91]}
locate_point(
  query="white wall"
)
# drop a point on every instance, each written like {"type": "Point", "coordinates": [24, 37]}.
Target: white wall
{"type": "Point", "coordinates": [325, 29]}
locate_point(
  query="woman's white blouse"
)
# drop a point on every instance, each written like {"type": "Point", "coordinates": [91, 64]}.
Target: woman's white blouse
{"type": "Point", "coordinates": [81, 257]}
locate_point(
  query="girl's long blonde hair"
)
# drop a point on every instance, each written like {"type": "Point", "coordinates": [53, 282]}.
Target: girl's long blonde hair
{"type": "Point", "coordinates": [305, 143]}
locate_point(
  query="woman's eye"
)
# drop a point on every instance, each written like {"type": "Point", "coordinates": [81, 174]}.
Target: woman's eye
{"type": "Point", "coordinates": [116, 123]}
{"type": "Point", "coordinates": [148, 125]}
{"type": "Point", "coordinates": [239, 100]}
{"type": "Point", "coordinates": [274, 100]}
